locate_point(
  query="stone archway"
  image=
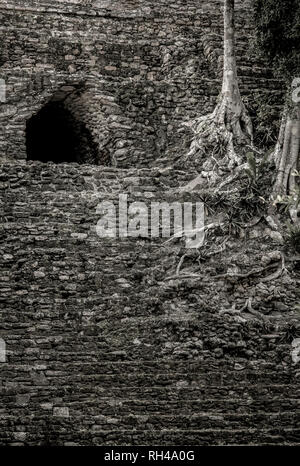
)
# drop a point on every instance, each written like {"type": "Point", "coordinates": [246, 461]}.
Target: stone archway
{"type": "Point", "coordinates": [59, 134]}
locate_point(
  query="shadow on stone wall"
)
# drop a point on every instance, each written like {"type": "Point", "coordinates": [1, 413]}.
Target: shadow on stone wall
{"type": "Point", "coordinates": [54, 134]}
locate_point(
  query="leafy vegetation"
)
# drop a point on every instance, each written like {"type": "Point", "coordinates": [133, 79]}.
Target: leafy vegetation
{"type": "Point", "coordinates": [278, 34]}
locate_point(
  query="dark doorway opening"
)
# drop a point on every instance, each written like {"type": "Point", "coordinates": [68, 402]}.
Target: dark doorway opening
{"type": "Point", "coordinates": [54, 134]}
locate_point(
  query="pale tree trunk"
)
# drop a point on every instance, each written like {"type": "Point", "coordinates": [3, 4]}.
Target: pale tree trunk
{"type": "Point", "coordinates": [230, 122]}
{"type": "Point", "coordinates": [286, 157]}
{"type": "Point", "coordinates": [236, 117]}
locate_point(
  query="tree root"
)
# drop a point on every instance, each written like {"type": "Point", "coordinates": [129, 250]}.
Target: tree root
{"type": "Point", "coordinates": [219, 130]}
{"type": "Point", "coordinates": [248, 305]}
{"type": "Point", "coordinates": [233, 276]}
{"type": "Point", "coordinates": [229, 124]}
{"type": "Point", "coordinates": [183, 277]}
{"type": "Point", "coordinates": [246, 308]}
{"type": "Point", "coordinates": [271, 222]}
{"type": "Point", "coordinates": [205, 256]}
{"type": "Point", "coordinates": [221, 249]}
{"type": "Point", "coordinates": [180, 264]}
{"type": "Point", "coordinates": [259, 271]}
{"type": "Point", "coordinates": [200, 178]}
{"type": "Point", "coordinates": [191, 185]}
{"type": "Point", "coordinates": [281, 269]}
{"type": "Point", "coordinates": [192, 232]}
{"type": "Point", "coordinates": [252, 223]}
{"type": "Point", "coordinates": [236, 276]}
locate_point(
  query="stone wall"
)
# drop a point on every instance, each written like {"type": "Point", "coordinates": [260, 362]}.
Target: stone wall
{"type": "Point", "coordinates": [102, 346]}
{"type": "Point", "coordinates": [143, 68]}
{"type": "Point", "coordinates": [104, 349]}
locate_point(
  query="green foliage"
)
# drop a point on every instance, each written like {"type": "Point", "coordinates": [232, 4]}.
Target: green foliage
{"type": "Point", "coordinates": [263, 109]}
{"type": "Point", "coordinates": [292, 332]}
{"type": "Point", "coordinates": [278, 34]}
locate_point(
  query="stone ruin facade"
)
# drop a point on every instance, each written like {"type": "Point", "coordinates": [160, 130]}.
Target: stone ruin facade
{"type": "Point", "coordinates": [119, 76]}
{"type": "Point", "coordinates": [99, 349]}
